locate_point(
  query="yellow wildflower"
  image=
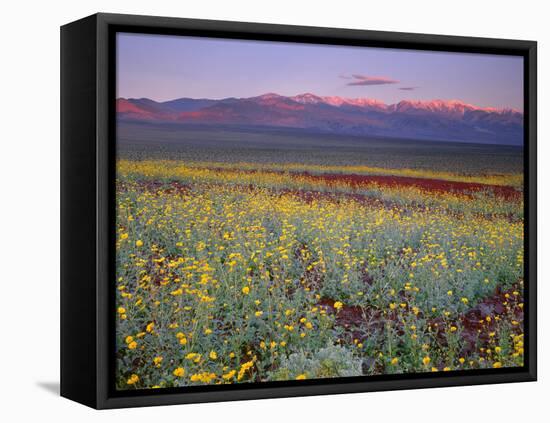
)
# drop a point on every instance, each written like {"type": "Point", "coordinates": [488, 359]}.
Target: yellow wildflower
{"type": "Point", "coordinates": [132, 380]}
{"type": "Point", "coordinates": [179, 372]}
{"type": "Point", "coordinates": [229, 375]}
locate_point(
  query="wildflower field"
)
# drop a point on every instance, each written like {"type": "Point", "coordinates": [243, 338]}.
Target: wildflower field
{"type": "Point", "coordinates": [234, 271]}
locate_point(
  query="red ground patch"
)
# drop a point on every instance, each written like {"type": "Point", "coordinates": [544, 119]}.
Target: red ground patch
{"type": "Point", "coordinates": [437, 185]}
{"type": "Point", "coordinates": [423, 183]}
{"type": "Point", "coordinates": [477, 324]}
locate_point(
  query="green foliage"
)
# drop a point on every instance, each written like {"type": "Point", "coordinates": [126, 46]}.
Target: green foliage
{"type": "Point", "coordinates": [329, 362]}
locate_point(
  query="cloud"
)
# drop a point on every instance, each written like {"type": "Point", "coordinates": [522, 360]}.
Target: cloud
{"type": "Point", "coordinates": [408, 88]}
{"type": "Point", "coordinates": [364, 80]}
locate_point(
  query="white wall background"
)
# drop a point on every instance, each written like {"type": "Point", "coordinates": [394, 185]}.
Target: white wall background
{"type": "Point", "coordinates": [29, 239]}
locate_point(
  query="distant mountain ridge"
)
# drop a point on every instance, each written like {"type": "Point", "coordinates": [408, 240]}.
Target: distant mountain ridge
{"type": "Point", "coordinates": [443, 120]}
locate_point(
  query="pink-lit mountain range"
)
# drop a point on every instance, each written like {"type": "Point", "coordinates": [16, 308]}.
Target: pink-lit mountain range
{"type": "Point", "coordinates": [442, 120]}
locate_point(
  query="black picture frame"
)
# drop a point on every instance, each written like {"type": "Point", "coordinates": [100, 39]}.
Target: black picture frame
{"type": "Point", "coordinates": [87, 204]}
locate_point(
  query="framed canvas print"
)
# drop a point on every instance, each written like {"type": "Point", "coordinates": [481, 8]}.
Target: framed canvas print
{"type": "Point", "coordinates": [254, 211]}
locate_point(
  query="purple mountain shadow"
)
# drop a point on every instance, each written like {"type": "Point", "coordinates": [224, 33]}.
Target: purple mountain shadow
{"type": "Point", "coordinates": [432, 120]}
